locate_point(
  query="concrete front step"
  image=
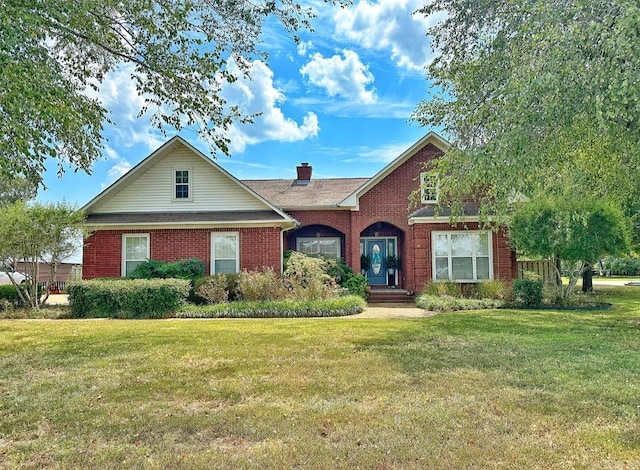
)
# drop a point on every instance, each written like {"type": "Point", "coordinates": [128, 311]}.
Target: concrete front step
{"type": "Point", "coordinates": [390, 295]}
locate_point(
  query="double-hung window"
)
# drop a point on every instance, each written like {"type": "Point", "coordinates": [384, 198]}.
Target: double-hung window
{"type": "Point", "coordinates": [462, 256]}
{"type": "Point", "coordinates": [225, 251]}
{"type": "Point", "coordinates": [182, 184]}
{"type": "Point", "coordinates": [428, 188]}
{"type": "Point", "coordinates": [135, 250]}
{"type": "Point", "coordinates": [327, 246]}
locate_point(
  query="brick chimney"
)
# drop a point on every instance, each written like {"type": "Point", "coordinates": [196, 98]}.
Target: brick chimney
{"type": "Point", "coordinates": [304, 173]}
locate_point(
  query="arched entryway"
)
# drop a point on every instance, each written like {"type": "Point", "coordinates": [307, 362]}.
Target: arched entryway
{"type": "Point", "coordinates": [380, 254]}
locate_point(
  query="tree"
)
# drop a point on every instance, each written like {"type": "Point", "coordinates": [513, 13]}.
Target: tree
{"type": "Point", "coordinates": [16, 189]}
{"type": "Point", "coordinates": [538, 97]}
{"type": "Point", "coordinates": [38, 233]}
{"type": "Point", "coordinates": [53, 52]}
{"type": "Point", "coordinates": [577, 232]}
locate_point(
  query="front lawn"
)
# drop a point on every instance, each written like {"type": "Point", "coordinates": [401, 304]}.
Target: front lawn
{"type": "Point", "coordinates": [473, 389]}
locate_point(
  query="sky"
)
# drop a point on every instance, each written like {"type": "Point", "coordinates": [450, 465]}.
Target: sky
{"type": "Point", "coordinates": [340, 100]}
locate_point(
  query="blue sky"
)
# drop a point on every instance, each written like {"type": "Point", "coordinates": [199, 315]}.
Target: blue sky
{"type": "Point", "coordinates": [339, 100]}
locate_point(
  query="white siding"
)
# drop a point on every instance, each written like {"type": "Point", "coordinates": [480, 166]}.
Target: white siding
{"type": "Point", "coordinates": [152, 188]}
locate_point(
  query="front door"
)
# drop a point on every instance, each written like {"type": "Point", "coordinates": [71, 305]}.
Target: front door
{"type": "Point", "coordinates": [376, 250]}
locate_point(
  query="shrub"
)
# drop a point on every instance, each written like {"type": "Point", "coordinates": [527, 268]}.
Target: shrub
{"type": "Point", "coordinates": [450, 288]}
{"type": "Point", "coordinates": [131, 298]}
{"type": "Point", "coordinates": [306, 277]}
{"type": "Point", "coordinates": [230, 284]}
{"type": "Point", "coordinates": [262, 284]}
{"type": "Point", "coordinates": [191, 268]}
{"type": "Point", "coordinates": [447, 303]}
{"type": "Point", "coordinates": [627, 266]}
{"type": "Point", "coordinates": [340, 306]}
{"type": "Point", "coordinates": [213, 289]}
{"type": "Point", "coordinates": [496, 290]}
{"type": "Point", "coordinates": [357, 285]}
{"type": "Point", "coordinates": [528, 291]}
{"type": "Point", "coordinates": [9, 293]}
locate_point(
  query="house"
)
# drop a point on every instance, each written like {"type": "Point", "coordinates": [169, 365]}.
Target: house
{"type": "Point", "coordinates": [177, 203]}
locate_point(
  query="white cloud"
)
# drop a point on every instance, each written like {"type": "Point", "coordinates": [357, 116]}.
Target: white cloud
{"type": "Point", "coordinates": [119, 96]}
{"type": "Point", "coordinates": [389, 25]}
{"type": "Point", "coordinates": [347, 77]}
{"type": "Point", "coordinates": [120, 166]}
{"type": "Point", "coordinates": [383, 153]}
{"type": "Point", "coordinates": [303, 47]}
{"type": "Point", "coordinates": [259, 95]}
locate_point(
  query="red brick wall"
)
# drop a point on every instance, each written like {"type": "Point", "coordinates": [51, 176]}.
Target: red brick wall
{"type": "Point", "coordinates": [102, 252]}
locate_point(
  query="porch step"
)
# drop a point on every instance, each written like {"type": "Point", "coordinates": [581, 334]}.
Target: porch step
{"type": "Point", "coordinates": [389, 295]}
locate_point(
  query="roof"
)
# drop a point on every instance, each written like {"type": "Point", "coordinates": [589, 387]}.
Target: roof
{"type": "Point", "coordinates": [152, 218]}
{"type": "Point", "coordinates": [317, 194]}
{"type": "Point", "coordinates": [433, 213]}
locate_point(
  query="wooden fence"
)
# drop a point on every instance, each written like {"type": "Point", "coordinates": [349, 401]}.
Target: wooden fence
{"type": "Point", "coordinates": [543, 268]}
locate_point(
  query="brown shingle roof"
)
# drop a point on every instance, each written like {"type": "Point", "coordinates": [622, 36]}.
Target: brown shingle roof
{"type": "Point", "coordinates": [319, 193]}
{"type": "Point", "coordinates": [182, 217]}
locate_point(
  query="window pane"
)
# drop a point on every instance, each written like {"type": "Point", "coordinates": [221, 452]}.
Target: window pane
{"type": "Point", "coordinates": [182, 191]}
{"type": "Point", "coordinates": [442, 269]}
{"type": "Point", "coordinates": [329, 248]}
{"type": "Point", "coordinates": [130, 266]}
{"type": "Point", "coordinates": [136, 248]}
{"type": "Point", "coordinates": [225, 266]}
{"type": "Point", "coordinates": [225, 247]}
{"type": "Point", "coordinates": [308, 247]}
{"type": "Point", "coordinates": [462, 268]}
{"type": "Point", "coordinates": [482, 244]}
{"type": "Point", "coordinates": [182, 176]}
{"type": "Point", "coordinates": [461, 244]}
{"type": "Point", "coordinates": [441, 245]}
{"type": "Point", "coordinates": [482, 268]}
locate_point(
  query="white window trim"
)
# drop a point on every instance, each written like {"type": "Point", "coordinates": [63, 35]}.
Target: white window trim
{"type": "Point", "coordinates": [123, 264]}
{"type": "Point", "coordinates": [174, 184]}
{"type": "Point", "coordinates": [423, 186]}
{"type": "Point", "coordinates": [473, 256]}
{"type": "Point", "coordinates": [308, 239]}
{"type": "Point", "coordinates": [212, 267]}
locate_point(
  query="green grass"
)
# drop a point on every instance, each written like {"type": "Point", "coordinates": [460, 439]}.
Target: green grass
{"type": "Point", "coordinates": [474, 389]}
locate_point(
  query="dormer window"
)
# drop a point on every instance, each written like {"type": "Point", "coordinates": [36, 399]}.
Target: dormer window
{"type": "Point", "coordinates": [428, 188]}
{"type": "Point", "coordinates": [182, 184]}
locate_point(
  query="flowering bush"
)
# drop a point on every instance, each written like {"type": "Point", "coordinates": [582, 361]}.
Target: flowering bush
{"type": "Point", "coordinates": [263, 284]}
{"type": "Point", "coordinates": [306, 277]}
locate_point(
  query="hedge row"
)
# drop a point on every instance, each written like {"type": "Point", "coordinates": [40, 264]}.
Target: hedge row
{"type": "Point", "coordinates": [447, 303]}
{"type": "Point", "coordinates": [348, 305]}
{"type": "Point", "coordinates": [132, 298]}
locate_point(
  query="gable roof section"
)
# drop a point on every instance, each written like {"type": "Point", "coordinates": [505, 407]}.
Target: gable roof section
{"type": "Point", "coordinates": [352, 201]}
{"type": "Point", "coordinates": [114, 203]}
{"type": "Point", "coordinates": [318, 194]}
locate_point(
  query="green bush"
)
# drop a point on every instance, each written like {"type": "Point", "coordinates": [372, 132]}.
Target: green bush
{"type": "Point", "coordinates": [9, 294]}
{"type": "Point", "coordinates": [357, 285]}
{"type": "Point", "coordinates": [528, 291]}
{"type": "Point", "coordinates": [191, 268]}
{"type": "Point", "coordinates": [306, 277]}
{"type": "Point", "coordinates": [130, 298]}
{"type": "Point", "coordinates": [447, 303]}
{"type": "Point", "coordinates": [495, 289]}
{"type": "Point", "coordinates": [450, 288]}
{"type": "Point", "coordinates": [626, 266]}
{"type": "Point", "coordinates": [340, 306]}
{"type": "Point", "coordinates": [260, 285]}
